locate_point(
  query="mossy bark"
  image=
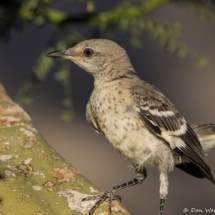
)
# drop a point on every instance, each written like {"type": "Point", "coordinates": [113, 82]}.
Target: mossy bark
{"type": "Point", "coordinates": [35, 179]}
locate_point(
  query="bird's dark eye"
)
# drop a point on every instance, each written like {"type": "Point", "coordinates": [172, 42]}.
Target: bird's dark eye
{"type": "Point", "coordinates": [88, 52]}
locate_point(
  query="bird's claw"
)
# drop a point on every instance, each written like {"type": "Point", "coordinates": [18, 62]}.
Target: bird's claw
{"type": "Point", "coordinates": [110, 195]}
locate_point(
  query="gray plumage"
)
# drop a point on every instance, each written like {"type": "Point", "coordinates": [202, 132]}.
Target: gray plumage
{"type": "Point", "coordinates": [137, 119]}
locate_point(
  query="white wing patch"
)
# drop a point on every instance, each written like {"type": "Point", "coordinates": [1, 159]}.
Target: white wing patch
{"type": "Point", "coordinates": [172, 137]}
{"type": "Point", "coordinates": [178, 132]}
{"type": "Point", "coordinates": [174, 141]}
{"type": "Point", "coordinates": [156, 112]}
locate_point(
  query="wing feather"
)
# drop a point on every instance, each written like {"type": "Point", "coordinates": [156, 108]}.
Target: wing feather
{"type": "Point", "coordinates": [162, 118]}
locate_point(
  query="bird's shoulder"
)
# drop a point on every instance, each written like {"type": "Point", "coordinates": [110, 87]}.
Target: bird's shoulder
{"type": "Point", "coordinates": [145, 94]}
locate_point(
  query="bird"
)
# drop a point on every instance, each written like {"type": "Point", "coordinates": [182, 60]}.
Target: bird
{"type": "Point", "coordinates": [137, 119]}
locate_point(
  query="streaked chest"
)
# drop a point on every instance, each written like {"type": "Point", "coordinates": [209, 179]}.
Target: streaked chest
{"type": "Point", "coordinates": [112, 109]}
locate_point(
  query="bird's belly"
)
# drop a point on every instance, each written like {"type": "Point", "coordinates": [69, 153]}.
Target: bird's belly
{"type": "Point", "coordinates": [132, 139]}
{"type": "Point", "coordinates": [123, 127]}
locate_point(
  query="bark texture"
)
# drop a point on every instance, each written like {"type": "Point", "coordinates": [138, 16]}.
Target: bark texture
{"type": "Point", "coordinates": [34, 178]}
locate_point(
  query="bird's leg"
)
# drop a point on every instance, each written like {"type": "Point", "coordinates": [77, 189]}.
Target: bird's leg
{"type": "Point", "coordinates": [110, 193]}
{"type": "Point", "coordinates": [162, 202]}
{"type": "Point", "coordinates": [163, 189]}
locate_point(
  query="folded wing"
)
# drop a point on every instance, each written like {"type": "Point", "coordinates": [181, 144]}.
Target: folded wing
{"type": "Point", "coordinates": [164, 120]}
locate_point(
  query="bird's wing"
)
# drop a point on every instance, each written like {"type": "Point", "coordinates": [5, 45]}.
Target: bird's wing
{"type": "Point", "coordinates": [164, 120]}
{"type": "Point", "coordinates": [91, 118]}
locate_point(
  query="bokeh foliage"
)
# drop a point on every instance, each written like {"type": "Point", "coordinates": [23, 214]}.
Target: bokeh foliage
{"type": "Point", "coordinates": [131, 17]}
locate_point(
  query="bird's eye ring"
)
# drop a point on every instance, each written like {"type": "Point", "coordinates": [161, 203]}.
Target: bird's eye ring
{"type": "Point", "coordinates": [88, 52]}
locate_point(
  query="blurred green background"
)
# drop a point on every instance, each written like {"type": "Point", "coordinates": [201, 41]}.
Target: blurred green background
{"type": "Point", "coordinates": [170, 44]}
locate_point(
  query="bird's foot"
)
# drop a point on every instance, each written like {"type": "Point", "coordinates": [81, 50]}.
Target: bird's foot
{"type": "Point", "coordinates": [110, 195]}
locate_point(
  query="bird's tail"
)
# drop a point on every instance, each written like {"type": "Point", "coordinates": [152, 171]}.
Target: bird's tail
{"type": "Point", "coordinates": [206, 135]}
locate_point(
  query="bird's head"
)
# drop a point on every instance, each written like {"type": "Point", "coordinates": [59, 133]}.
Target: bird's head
{"type": "Point", "coordinates": [95, 56]}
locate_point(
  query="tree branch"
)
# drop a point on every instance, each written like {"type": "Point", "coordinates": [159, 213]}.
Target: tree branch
{"type": "Point", "coordinates": [35, 179]}
{"type": "Point", "coordinates": [115, 15]}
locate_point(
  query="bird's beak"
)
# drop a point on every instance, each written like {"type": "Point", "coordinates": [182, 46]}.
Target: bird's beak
{"type": "Point", "coordinates": [58, 54]}
{"type": "Point", "coordinates": [63, 54]}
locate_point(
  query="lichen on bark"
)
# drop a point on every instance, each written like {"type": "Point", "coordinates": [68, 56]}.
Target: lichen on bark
{"type": "Point", "coordinates": [34, 178]}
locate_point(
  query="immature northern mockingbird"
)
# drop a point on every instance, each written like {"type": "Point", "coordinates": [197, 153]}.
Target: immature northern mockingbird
{"type": "Point", "coordinates": [138, 120]}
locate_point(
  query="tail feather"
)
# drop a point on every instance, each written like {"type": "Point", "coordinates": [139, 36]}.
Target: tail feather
{"type": "Point", "coordinates": [191, 168]}
{"type": "Point", "coordinates": [206, 135]}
